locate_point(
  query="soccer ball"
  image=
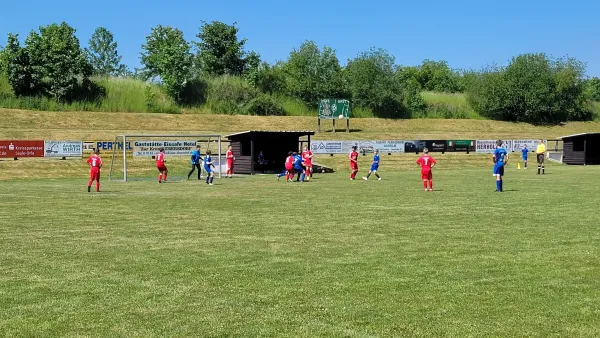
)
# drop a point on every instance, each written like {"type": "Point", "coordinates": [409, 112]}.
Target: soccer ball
{"type": "Point", "coordinates": [341, 117]}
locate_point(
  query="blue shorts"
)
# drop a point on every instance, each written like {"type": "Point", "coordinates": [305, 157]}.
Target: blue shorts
{"type": "Point", "coordinates": [499, 169]}
{"type": "Point", "coordinates": [524, 158]}
{"type": "Point", "coordinates": [208, 169]}
{"type": "Point", "coordinates": [374, 167]}
{"type": "Point", "coordinates": [298, 169]}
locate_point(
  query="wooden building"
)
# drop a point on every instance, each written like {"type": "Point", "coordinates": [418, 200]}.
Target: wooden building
{"type": "Point", "coordinates": [582, 149]}
{"type": "Point", "coordinates": [258, 151]}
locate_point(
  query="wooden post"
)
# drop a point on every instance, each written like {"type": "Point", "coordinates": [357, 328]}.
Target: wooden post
{"type": "Point", "coordinates": [319, 125]}
{"type": "Point", "coordinates": [309, 142]}
{"type": "Point", "coordinates": [251, 156]}
{"type": "Point", "coordinates": [333, 125]}
{"type": "Point", "coordinates": [585, 150]}
{"type": "Point", "coordinates": [347, 125]}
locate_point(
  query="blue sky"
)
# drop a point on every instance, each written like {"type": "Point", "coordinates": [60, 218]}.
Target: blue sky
{"type": "Point", "coordinates": [466, 33]}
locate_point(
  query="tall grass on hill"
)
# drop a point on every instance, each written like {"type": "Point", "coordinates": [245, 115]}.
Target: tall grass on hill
{"type": "Point", "coordinates": [447, 106]}
{"type": "Point", "coordinates": [225, 95]}
{"type": "Point", "coordinates": [122, 95]}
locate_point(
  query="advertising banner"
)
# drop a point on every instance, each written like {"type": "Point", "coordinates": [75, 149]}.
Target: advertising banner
{"type": "Point", "coordinates": [488, 146]}
{"type": "Point", "coordinates": [12, 149]}
{"type": "Point", "coordinates": [106, 148]}
{"type": "Point", "coordinates": [387, 146]}
{"type": "Point", "coordinates": [63, 149]}
{"type": "Point", "coordinates": [347, 146]}
{"type": "Point", "coordinates": [172, 148]}
{"type": "Point", "coordinates": [327, 147]}
{"type": "Point", "coordinates": [460, 145]}
{"type": "Point", "coordinates": [438, 146]}
{"type": "Point", "coordinates": [413, 146]}
{"type": "Point", "coordinates": [517, 145]}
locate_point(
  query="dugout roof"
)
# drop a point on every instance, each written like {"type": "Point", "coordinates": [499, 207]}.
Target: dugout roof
{"type": "Point", "coordinates": [575, 135]}
{"type": "Point", "coordinates": [297, 133]}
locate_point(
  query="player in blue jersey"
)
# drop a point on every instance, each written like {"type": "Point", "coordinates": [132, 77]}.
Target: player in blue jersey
{"type": "Point", "coordinates": [208, 167]}
{"type": "Point", "coordinates": [500, 160]}
{"type": "Point", "coordinates": [196, 159]}
{"type": "Point", "coordinates": [298, 168]}
{"type": "Point", "coordinates": [524, 155]}
{"type": "Point", "coordinates": [374, 166]}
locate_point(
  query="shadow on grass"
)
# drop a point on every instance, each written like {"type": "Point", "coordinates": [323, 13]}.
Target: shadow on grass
{"type": "Point", "coordinates": [341, 129]}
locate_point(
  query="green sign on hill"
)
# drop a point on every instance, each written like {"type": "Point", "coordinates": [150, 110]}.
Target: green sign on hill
{"type": "Point", "coordinates": [333, 108]}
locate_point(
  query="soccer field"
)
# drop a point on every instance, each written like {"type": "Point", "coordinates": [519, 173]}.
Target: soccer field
{"type": "Point", "coordinates": [252, 257]}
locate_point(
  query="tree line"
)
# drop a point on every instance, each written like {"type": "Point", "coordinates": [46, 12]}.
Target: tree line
{"type": "Point", "coordinates": [51, 63]}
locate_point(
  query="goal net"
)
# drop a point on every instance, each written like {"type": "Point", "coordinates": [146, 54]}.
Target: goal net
{"type": "Point", "coordinates": [133, 157]}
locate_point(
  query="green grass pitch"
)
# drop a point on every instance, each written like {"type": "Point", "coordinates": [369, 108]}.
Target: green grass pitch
{"type": "Point", "coordinates": [252, 257]}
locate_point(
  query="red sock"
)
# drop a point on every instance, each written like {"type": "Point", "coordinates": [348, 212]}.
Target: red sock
{"type": "Point", "coordinates": [97, 186]}
{"type": "Point", "coordinates": [160, 178]}
{"type": "Point", "coordinates": [425, 184]}
{"type": "Point", "coordinates": [90, 183]}
{"type": "Point", "coordinates": [431, 184]}
{"type": "Point", "coordinates": [165, 176]}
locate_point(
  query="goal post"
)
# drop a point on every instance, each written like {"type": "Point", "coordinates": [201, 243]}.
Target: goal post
{"type": "Point", "coordinates": [133, 154]}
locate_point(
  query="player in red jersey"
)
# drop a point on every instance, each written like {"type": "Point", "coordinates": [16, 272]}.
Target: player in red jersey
{"type": "Point", "coordinates": [160, 165]}
{"type": "Point", "coordinates": [289, 167]}
{"type": "Point", "coordinates": [95, 163]}
{"type": "Point", "coordinates": [426, 162]}
{"type": "Point", "coordinates": [307, 157]}
{"type": "Point", "coordinates": [353, 156]}
{"type": "Point", "coordinates": [230, 159]}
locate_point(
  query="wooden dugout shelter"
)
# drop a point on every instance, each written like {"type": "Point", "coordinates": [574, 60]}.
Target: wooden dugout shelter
{"type": "Point", "coordinates": [582, 149]}
{"type": "Point", "coordinates": [274, 145]}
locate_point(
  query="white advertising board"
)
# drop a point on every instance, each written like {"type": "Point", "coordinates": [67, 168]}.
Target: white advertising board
{"type": "Point", "coordinates": [63, 149]}
{"type": "Point", "coordinates": [172, 148]}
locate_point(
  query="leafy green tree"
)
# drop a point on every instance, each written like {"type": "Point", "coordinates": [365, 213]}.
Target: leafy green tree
{"type": "Point", "coordinates": [371, 79]}
{"type": "Point", "coordinates": [19, 71]}
{"type": "Point", "coordinates": [532, 88]}
{"type": "Point", "coordinates": [167, 55]}
{"type": "Point", "coordinates": [592, 88]}
{"type": "Point", "coordinates": [268, 79]}
{"type": "Point", "coordinates": [3, 61]}
{"type": "Point", "coordinates": [58, 60]}
{"type": "Point", "coordinates": [221, 52]}
{"type": "Point", "coordinates": [51, 64]}
{"type": "Point", "coordinates": [102, 54]}
{"type": "Point", "coordinates": [312, 74]}
{"type": "Point", "coordinates": [438, 76]}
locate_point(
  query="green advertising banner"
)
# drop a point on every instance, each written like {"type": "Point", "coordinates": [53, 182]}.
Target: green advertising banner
{"type": "Point", "coordinates": [461, 145]}
{"type": "Point", "coordinates": [334, 109]}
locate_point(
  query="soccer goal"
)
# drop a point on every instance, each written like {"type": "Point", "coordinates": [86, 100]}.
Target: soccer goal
{"type": "Point", "coordinates": [133, 156]}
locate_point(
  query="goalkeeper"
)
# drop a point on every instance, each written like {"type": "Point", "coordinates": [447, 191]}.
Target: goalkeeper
{"type": "Point", "coordinates": [196, 160]}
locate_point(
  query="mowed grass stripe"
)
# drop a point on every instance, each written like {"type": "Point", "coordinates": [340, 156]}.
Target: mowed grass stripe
{"type": "Point", "coordinates": [255, 257]}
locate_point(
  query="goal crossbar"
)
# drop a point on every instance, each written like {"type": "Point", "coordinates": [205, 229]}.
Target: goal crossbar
{"type": "Point", "coordinates": [124, 140]}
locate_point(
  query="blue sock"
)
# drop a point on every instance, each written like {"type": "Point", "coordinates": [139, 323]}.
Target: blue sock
{"type": "Point", "coordinates": [207, 178]}
{"type": "Point", "coordinates": [303, 176]}
{"type": "Point", "coordinates": [501, 188]}
{"type": "Point", "coordinates": [498, 185]}
{"type": "Point", "coordinates": [211, 179]}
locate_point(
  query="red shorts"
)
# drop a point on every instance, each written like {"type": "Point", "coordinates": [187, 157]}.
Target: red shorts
{"type": "Point", "coordinates": [230, 165]}
{"type": "Point", "coordinates": [307, 164]}
{"type": "Point", "coordinates": [95, 174]}
{"type": "Point", "coordinates": [161, 168]}
{"type": "Point", "coordinates": [353, 166]}
{"type": "Point", "coordinates": [426, 175]}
